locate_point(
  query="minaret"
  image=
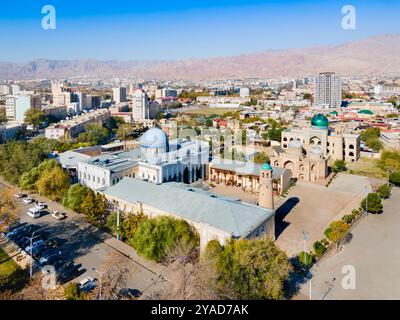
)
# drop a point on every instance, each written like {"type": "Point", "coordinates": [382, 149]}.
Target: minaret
{"type": "Point", "coordinates": [266, 194]}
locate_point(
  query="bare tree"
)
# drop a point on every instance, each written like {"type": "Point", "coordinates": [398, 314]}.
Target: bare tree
{"type": "Point", "coordinates": [114, 274]}
{"type": "Point", "coordinates": [192, 278]}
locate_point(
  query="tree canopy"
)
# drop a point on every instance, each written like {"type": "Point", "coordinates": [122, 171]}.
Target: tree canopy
{"type": "Point", "coordinates": [156, 236]}
{"type": "Point", "coordinates": [34, 117]}
{"type": "Point", "coordinates": [75, 196]}
{"type": "Point", "coordinates": [252, 269]}
{"type": "Point", "coordinates": [94, 135]}
{"type": "Point", "coordinates": [53, 183]}
{"type": "Point", "coordinates": [374, 204]}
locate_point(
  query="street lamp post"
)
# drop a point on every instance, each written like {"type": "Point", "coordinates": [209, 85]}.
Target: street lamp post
{"type": "Point", "coordinates": [31, 258]}
{"type": "Point", "coordinates": [118, 238]}
{"type": "Point", "coordinates": [100, 274]}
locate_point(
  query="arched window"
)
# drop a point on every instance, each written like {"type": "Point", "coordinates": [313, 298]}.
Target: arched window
{"type": "Point", "coordinates": [351, 154]}
{"type": "Point", "coordinates": [351, 146]}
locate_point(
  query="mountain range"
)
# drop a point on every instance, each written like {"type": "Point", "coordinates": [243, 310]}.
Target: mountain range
{"type": "Point", "coordinates": [372, 56]}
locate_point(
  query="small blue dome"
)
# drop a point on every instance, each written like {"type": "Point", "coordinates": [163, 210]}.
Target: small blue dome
{"type": "Point", "coordinates": [154, 138]}
{"type": "Point", "coordinates": [266, 166]}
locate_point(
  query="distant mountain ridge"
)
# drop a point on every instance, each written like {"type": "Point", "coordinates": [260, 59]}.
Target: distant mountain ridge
{"type": "Point", "coordinates": [371, 56]}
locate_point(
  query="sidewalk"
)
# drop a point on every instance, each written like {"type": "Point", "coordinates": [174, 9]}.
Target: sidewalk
{"type": "Point", "coordinates": [79, 220]}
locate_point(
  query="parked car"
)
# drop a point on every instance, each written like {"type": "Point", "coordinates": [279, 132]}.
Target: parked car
{"type": "Point", "coordinates": [41, 205]}
{"type": "Point", "coordinates": [87, 284]}
{"type": "Point", "coordinates": [49, 259]}
{"type": "Point", "coordinates": [20, 195]}
{"type": "Point", "coordinates": [14, 232]}
{"type": "Point", "coordinates": [68, 273]}
{"type": "Point", "coordinates": [57, 215]}
{"type": "Point", "coordinates": [38, 250]}
{"type": "Point", "coordinates": [53, 259]}
{"type": "Point", "coordinates": [129, 293]}
{"type": "Point", "coordinates": [33, 213]}
{"type": "Point", "coordinates": [28, 200]}
{"type": "Point", "coordinates": [34, 245]}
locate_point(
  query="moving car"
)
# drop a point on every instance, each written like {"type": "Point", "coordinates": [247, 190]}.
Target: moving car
{"type": "Point", "coordinates": [28, 200]}
{"type": "Point", "coordinates": [87, 284]}
{"type": "Point", "coordinates": [41, 205]}
{"type": "Point", "coordinates": [57, 215]}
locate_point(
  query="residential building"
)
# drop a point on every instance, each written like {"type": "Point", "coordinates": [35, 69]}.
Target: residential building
{"type": "Point", "coordinates": [69, 129]}
{"type": "Point", "coordinates": [328, 91]}
{"type": "Point", "coordinates": [119, 94]}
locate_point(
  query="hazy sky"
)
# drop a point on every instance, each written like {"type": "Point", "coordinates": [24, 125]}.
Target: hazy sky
{"type": "Point", "coordinates": [172, 29]}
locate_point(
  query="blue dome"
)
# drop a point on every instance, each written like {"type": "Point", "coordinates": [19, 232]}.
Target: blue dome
{"type": "Point", "coordinates": [266, 166]}
{"type": "Point", "coordinates": [154, 138]}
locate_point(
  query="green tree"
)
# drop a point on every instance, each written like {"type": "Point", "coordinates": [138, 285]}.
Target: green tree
{"type": "Point", "coordinates": [252, 269]}
{"type": "Point", "coordinates": [156, 236]}
{"type": "Point", "coordinates": [94, 135]}
{"type": "Point", "coordinates": [384, 191]}
{"type": "Point", "coordinates": [53, 184]}
{"type": "Point", "coordinates": [94, 207]}
{"type": "Point", "coordinates": [374, 203]}
{"type": "Point", "coordinates": [394, 177]}
{"type": "Point", "coordinates": [124, 130]}
{"type": "Point", "coordinates": [130, 225]}
{"type": "Point", "coordinates": [209, 122]}
{"type": "Point", "coordinates": [337, 231]}
{"type": "Point", "coordinates": [28, 179]}
{"type": "Point", "coordinates": [319, 248]}
{"type": "Point", "coordinates": [34, 117]}
{"type": "Point", "coordinates": [374, 144]}
{"type": "Point", "coordinates": [75, 196]}
{"type": "Point", "coordinates": [339, 166]}
{"type": "Point", "coordinates": [390, 160]}
{"type": "Point", "coordinates": [17, 157]}
{"type": "Point", "coordinates": [370, 133]}
{"type": "Point", "coordinates": [261, 157]}
{"type": "Point", "coordinates": [308, 96]}
{"type": "Point", "coordinates": [3, 117]}
{"type": "Point", "coordinates": [305, 258]}
{"type": "Point", "coordinates": [72, 292]}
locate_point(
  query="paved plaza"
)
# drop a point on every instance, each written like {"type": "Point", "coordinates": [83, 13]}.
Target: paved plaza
{"type": "Point", "coordinates": [374, 254]}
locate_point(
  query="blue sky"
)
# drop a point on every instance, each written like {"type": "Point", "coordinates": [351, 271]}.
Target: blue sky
{"type": "Point", "coordinates": [172, 29]}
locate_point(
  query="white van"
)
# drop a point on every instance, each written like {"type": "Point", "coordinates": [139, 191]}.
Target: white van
{"type": "Point", "coordinates": [33, 213]}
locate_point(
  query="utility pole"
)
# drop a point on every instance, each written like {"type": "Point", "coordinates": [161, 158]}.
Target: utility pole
{"type": "Point", "coordinates": [118, 238]}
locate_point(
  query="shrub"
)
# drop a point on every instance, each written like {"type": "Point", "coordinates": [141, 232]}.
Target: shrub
{"type": "Point", "coordinates": [327, 232]}
{"type": "Point", "coordinates": [319, 248]}
{"type": "Point", "coordinates": [394, 178]}
{"type": "Point", "coordinates": [325, 242]}
{"type": "Point", "coordinates": [305, 259]}
{"type": "Point", "coordinates": [348, 218]}
{"type": "Point", "coordinates": [384, 191]}
{"type": "Point", "coordinates": [374, 203]}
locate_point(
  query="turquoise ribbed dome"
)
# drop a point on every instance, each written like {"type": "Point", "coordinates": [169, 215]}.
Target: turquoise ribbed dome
{"type": "Point", "coordinates": [320, 121]}
{"type": "Point", "coordinates": [266, 166]}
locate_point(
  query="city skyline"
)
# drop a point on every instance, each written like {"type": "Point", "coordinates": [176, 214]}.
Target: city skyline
{"type": "Point", "coordinates": [161, 31]}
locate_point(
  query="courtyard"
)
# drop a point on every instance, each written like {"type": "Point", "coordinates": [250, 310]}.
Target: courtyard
{"type": "Point", "coordinates": [372, 251]}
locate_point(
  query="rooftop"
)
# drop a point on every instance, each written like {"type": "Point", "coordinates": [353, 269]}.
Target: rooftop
{"type": "Point", "coordinates": [229, 215]}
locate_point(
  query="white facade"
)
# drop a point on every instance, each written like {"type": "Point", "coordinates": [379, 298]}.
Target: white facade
{"type": "Point", "coordinates": [328, 91]}
{"type": "Point", "coordinates": [119, 94]}
{"type": "Point", "coordinates": [181, 161]}
{"type": "Point", "coordinates": [140, 106]}
{"type": "Point", "coordinates": [245, 92]}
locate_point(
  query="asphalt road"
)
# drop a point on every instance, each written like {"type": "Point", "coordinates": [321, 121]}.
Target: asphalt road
{"type": "Point", "coordinates": [83, 248]}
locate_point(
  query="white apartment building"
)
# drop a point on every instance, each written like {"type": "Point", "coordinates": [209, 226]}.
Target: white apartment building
{"type": "Point", "coordinates": [5, 89]}
{"type": "Point", "coordinates": [328, 91]}
{"type": "Point", "coordinates": [16, 106]}
{"type": "Point", "coordinates": [140, 106]}
{"type": "Point", "coordinates": [68, 129]}
{"type": "Point", "coordinates": [119, 94]}
{"type": "Point", "coordinates": [245, 92]}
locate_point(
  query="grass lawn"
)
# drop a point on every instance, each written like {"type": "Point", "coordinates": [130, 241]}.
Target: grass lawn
{"type": "Point", "coordinates": [366, 167]}
{"type": "Point", "coordinates": [7, 265]}
{"type": "Point", "coordinates": [210, 111]}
